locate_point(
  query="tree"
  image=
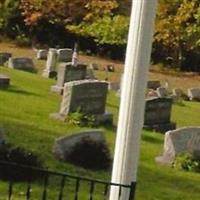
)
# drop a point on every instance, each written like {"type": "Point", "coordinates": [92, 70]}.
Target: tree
{"type": "Point", "coordinates": [178, 27]}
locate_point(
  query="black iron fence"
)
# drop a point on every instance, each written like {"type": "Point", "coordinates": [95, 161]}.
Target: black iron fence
{"type": "Point", "coordinates": [43, 184]}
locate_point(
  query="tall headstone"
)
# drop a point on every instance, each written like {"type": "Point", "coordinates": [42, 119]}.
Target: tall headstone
{"type": "Point", "coordinates": [157, 114]}
{"type": "Point", "coordinates": [85, 96]}
{"type": "Point", "coordinates": [50, 64]}
{"type": "Point", "coordinates": [4, 57]}
{"type": "Point", "coordinates": [66, 73]}
{"type": "Point", "coordinates": [22, 63]}
{"type": "Point", "coordinates": [182, 140]}
{"type": "Point", "coordinates": [64, 55]}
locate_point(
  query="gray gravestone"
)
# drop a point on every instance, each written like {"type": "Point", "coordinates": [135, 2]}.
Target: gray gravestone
{"type": "Point", "coordinates": [177, 92]}
{"type": "Point", "coordinates": [22, 63]}
{"type": "Point", "coordinates": [64, 55]}
{"type": "Point", "coordinates": [182, 140]}
{"type": "Point", "coordinates": [194, 94]}
{"type": "Point", "coordinates": [4, 81]}
{"type": "Point", "coordinates": [63, 146]}
{"type": "Point", "coordinates": [67, 73]}
{"type": "Point", "coordinates": [4, 57]}
{"type": "Point", "coordinates": [153, 84]}
{"type": "Point", "coordinates": [157, 114]}
{"type": "Point", "coordinates": [162, 92]}
{"type": "Point", "coordinates": [86, 96]}
{"type": "Point", "coordinates": [42, 54]}
{"type": "Point", "coordinates": [90, 74]}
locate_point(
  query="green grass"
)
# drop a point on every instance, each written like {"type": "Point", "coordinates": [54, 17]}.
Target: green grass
{"type": "Point", "coordinates": [24, 113]}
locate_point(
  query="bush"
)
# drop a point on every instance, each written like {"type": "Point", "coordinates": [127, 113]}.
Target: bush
{"type": "Point", "coordinates": [19, 156]}
{"type": "Point", "coordinates": [81, 119]}
{"type": "Point", "coordinates": [90, 154]}
{"type": "Point", "coordinates": [188, 162]}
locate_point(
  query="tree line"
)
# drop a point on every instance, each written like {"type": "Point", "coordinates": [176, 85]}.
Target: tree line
{"type": "Point", "coordinates": [101, 27]}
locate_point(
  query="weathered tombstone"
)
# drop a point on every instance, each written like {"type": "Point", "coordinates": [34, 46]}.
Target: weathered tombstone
{"type": "Point", "coordinates": [50, 64]}
{"type": "Point", "coordinates": [90, 74]}
{"type": "Point", "coordinates": [4, 57]}
{"type": "Point", "coordinates": [4, 81]}
{"type": "Point", "coordinates": [177, 92]}
{"type": "Point", "coordinates": [162, 92]}
{"type": "Point", "coordinates": [194, 94]}
{"type": "Point", "coordinates": [94, 66]}
{"type": "Point", "coordinates": [182, 140]}
{"type": "Point", "coordinates": [63, 146]}
{"type": "Point", "coordinates": [42, 54]}
{"type": "Point", "coordinates": [85, 96]}
{"type": "Point", "coordinates": [153, 84]}
{"type": "Point", "coordinates": [64, 55]}
{"type": "Point", "coordinates": [22, 63]}
{"type": "Point", "coordinates": [67, 73]}
{"type": "Point", "coordinates": [157, 114]}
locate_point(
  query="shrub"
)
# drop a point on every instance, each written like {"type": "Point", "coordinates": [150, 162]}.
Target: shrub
{"type": "Point", "coordinates": [90, 154]}
{"type": "Point", "coordinates": [81, 119]}
{"type": "Point", "coordinates": [188, 162]}
{"type": "Point", "coordinates": [19, 156]}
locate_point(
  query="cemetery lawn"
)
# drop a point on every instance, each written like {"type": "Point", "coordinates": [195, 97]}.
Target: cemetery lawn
{"type": "Point", "coordinates": [24, 111]}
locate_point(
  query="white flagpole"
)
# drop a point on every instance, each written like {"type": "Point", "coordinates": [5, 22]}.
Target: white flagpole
{"type": "Point", "coordinates": [133, 95]}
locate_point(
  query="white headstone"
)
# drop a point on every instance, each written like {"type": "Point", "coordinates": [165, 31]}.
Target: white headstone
{"type": "Point", "coordinates": [182, 140]}
{"type": "Point", "coordinates": [194, 93]}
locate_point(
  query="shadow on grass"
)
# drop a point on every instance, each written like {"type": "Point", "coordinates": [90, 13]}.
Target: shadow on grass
{"type": "Point", "coordinates": [13, 89]}
{"type": "Point", "coordinates": [151, 139]}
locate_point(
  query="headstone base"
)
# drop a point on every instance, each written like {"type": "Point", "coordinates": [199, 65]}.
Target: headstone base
{"type": "Point", "coordinates": [106, 118]}
{"type": "Point", "coordinates": [49, 74]}
{"type": "Point", "coordinates": [57, 89]}
{"type": "Point", "coordinates": [163, 160]}
{"type": "Point", "coordinates": [4, 81]}
{"type": "Point", "coordinates": [161, 127]}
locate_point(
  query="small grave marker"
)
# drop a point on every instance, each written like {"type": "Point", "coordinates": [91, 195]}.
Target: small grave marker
{"type": "Point", "coordinates": [22, 63]}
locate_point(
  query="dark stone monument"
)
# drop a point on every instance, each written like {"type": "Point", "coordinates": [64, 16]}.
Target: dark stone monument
{"type": "Point", "coordinates": [157, 114]}
{"type": "Point", "coordinates": [22, 63]}
{"type": "Point", "coordinates": [66, 73]}
{"type": "Point", "coordinates": [4, 81]}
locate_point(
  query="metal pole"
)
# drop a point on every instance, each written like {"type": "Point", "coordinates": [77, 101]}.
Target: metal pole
{"type": "Point", "coordinates": [133, 95]}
